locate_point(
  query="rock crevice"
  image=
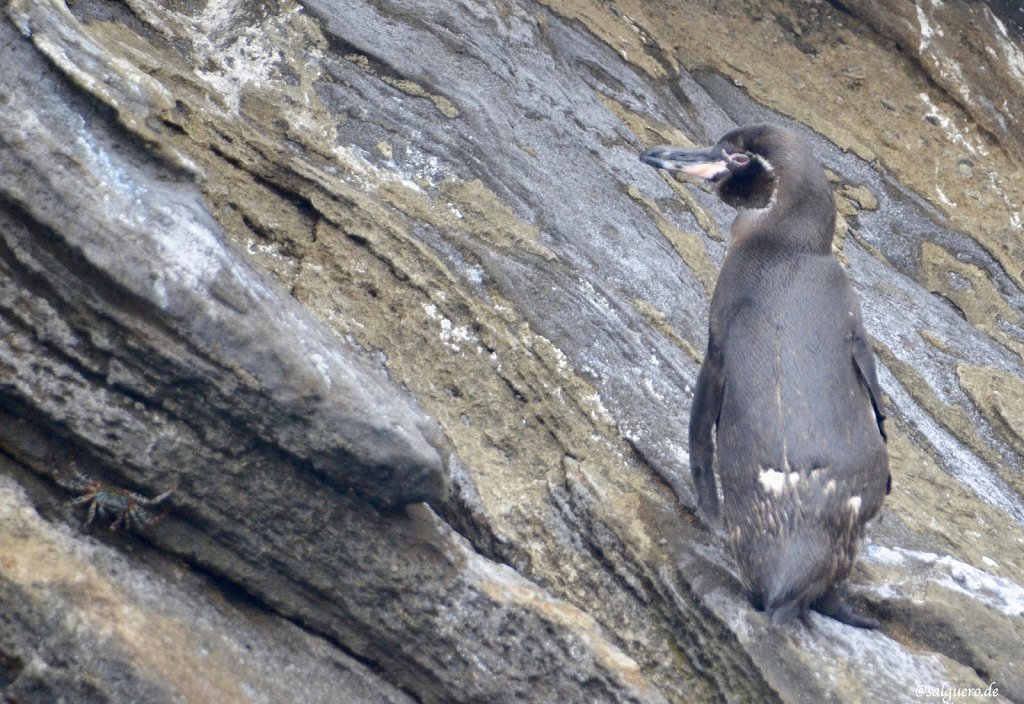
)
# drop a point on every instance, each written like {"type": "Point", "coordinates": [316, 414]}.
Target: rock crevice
{"type": "Point", "coordinates": [411, 334]}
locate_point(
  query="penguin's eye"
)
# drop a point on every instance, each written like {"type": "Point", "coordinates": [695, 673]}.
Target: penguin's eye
{"type": "Point", "coordinates": [735, 161]}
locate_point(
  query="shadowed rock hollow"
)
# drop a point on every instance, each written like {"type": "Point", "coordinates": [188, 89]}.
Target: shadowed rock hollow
{"type": "Point", "coordinates": [382, 292]}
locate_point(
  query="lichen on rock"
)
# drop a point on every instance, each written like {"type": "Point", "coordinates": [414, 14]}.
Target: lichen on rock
{"type": "Point", "coordinates": [384, 293]}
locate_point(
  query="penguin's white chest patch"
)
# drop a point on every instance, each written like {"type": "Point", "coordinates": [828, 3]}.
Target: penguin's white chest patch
{"type": "Point", "coordinates": [774, 481]}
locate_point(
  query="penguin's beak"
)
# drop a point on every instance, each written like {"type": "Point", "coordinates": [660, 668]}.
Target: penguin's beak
{"type": "Point", "coordinates": [709, 164]}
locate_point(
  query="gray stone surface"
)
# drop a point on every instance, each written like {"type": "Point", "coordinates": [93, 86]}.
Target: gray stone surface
{"type": "Point", "coordinates": [83, 622]}
{"type": "Point", "coordinates": [311, 265]}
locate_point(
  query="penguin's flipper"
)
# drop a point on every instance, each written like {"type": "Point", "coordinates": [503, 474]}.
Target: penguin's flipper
{"type": "Point", "coordinates": [707, 404]}
{"type": "Point", "coordinates": [864, 359]}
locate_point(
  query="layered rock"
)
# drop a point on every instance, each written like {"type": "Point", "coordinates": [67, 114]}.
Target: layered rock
{"type": "Point", "coordinates": [382, 293]}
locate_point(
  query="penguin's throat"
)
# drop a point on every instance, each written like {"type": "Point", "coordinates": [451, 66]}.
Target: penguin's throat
{"type": "Point", "coordinates": [763, 204]}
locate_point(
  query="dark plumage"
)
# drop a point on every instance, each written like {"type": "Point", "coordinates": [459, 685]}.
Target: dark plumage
{"type": "Point", "coordinates": [788, 381]}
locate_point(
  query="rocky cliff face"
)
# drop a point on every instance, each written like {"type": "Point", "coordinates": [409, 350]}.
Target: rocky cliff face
{"type": "Point", "coordinates": [382, 293]}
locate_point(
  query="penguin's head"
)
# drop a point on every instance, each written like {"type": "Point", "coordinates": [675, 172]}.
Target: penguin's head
{"type": "Point", "coordinates": [742, 163]}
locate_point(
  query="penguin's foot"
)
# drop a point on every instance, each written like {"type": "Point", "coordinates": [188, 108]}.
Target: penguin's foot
{"type": "Point", "coordinates": [787, 612]}
{"type": "Point", "coordinates": [836, 605]}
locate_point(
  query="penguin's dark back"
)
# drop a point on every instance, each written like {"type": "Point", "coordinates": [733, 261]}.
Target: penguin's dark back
{"type": "Point", "coordinates": [792, 387]}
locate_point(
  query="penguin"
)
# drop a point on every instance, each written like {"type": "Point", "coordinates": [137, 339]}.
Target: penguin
{"type": "Point", "coordinates": [788, 386]}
